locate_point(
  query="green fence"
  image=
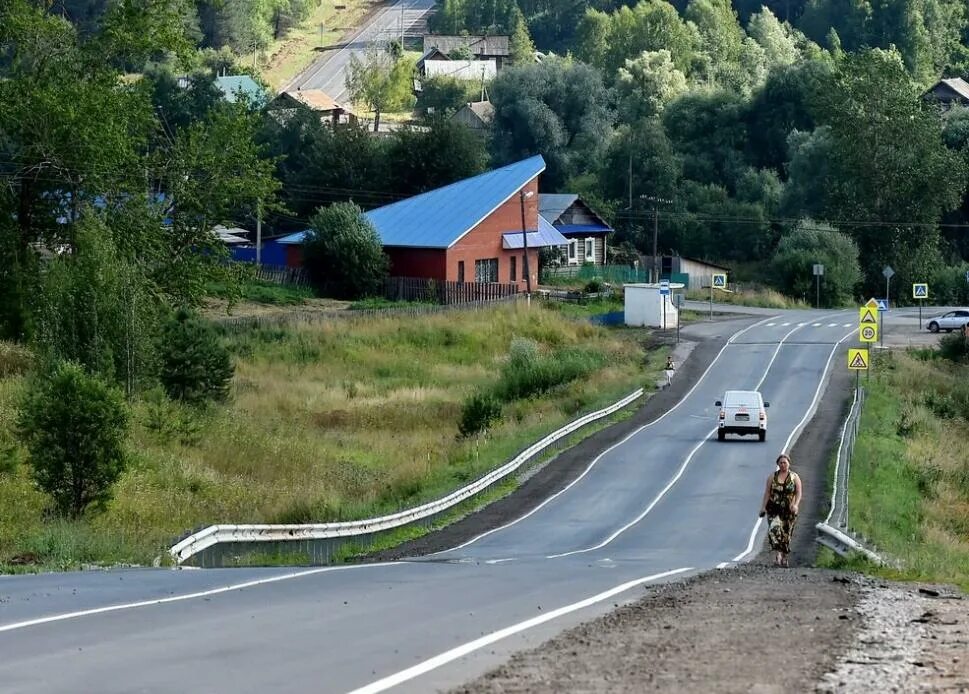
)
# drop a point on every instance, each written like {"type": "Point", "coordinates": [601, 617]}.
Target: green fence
{"type": "Point", "coordinates": [614, 274]}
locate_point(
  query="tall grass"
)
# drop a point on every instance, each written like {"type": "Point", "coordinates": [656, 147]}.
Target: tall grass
{"type": "Point", "coordinates": [909, 485]}
{"type": "Point", "coordinates": [763, 298]}
{"type": "Point", "coordinates": [335, 421]}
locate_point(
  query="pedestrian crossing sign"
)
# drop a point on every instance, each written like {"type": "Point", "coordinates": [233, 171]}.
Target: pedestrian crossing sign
{"type": "Point", "coordinates": [858, 359]}
{"type": "Point", "coordinates": [920, 290]}
{"type": "Point", "coordinates": [868, 332]}
{"type": "Point", "coordinates": [720, 280]}
{"type": "Point", "coordinates": [867, 314]}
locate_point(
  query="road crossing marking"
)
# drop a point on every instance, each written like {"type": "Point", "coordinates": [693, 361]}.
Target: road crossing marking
{"type": "Point", "coordinates": [815, 325]}
{"type": "Point", "coordinates": [846, 325]}
{"type": "Point", "coordinates": [801, 325]}
{"type": "Point", "coordinates": [771, 325]}
{"type": "Point", "coordinates": [832, 325]}
{"type": "Point", "coordinates": [785, 324]}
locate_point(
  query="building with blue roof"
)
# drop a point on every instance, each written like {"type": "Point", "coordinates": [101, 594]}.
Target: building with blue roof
{"type": "Point", "coordinates": [585, 231]}
{"type": "Point", "coordinates": [241, 87]}
{"type": "Point", "coordinates": [468, 231]}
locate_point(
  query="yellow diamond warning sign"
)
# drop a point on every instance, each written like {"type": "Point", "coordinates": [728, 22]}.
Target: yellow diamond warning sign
{"type": "Point", "coordinates": [858, 359]}
{"type": "Point", "coordinates": [868, 332]}
{"type": "Point", "coordinates": [872, 304]}
{"type": "Point", "coordinates": [867, 314]}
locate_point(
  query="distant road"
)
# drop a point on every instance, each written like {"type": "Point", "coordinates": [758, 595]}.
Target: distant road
{"type": "Point", "coordinates": [329, 71]}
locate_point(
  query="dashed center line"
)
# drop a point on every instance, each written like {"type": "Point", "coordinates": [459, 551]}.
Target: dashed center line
{"type": "Point", "coordinates": [815, 325]}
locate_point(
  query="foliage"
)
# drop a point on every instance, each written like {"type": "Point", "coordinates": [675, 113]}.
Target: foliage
{"type": "Point", "coordinates": [444, 95]}
{"type": "Point", "coordinates": [343, 253]}
{"type": "Point", "coordinates": [809, 243]}
{"type": "Point", "coordinates": [380, 81]}
{"type": "Point", "coordinates": [520, 42]}
{"type": "Point", "coordinates": [14, 360]}
{"type": "Point", "coordinates": [528, 372]}
{"type": "Point", "coordinates": [947, 285]}
{"type": "Point", "coordinates": [647, 83]}
{"type": "Point", "coordinates": [955, 347]}
{"type": "Point", "coordinates": [73, 426]}
{"type": "Point", "coordinates": [556, 108]}
{"type": "Point", "coordinates": [425, 159]}
{"type": "Point", "coordinates": [195, 366]}
{"type": "Point", "coordinates": [478, 413]}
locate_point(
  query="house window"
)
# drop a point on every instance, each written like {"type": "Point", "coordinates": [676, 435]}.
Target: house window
{"type": "Point", "coordinates": [460, 271]}
{"type": "Point", "coordinates": [590, 250]}
{"type": "Point", "coordinates": [486, 270]}
{"type": "Point", "coordinates": [573, 251]}
{"type": "Point", "coordinates": [513, 271]}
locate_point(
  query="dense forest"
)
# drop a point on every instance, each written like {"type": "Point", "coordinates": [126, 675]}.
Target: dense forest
{"type": "Point", "coordinates": [769, 136]}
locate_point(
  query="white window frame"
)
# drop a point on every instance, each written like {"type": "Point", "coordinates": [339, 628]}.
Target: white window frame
{"type": "Point", "coordinates": [573, 253]}
{"type": "Point", "coordinates": [590, 249]}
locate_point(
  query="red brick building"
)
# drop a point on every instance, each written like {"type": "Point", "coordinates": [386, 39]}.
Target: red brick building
{"type": "Point", "coordinates": [469, 231]}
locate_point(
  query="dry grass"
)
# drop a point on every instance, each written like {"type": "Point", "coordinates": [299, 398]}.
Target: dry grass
{"type": "Point", "coordinates": [330, 422]}
{"type": "Point", "coordinates": [764, 298]}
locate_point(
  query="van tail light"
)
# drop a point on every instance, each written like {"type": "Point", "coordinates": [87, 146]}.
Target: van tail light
{"type": "Point", "coordinates": [763, 415]}
{"type": "Point", "coordinates": [722, 414]}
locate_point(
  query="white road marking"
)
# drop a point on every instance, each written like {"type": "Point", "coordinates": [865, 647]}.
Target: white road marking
{"type": "Point", "coordinates": [801, 325]}
{"type": "Point", "coordinates": [679, 473]}
{"type": "Point", "coordinates": [815, 325]}
{"type": "Point", "coordinates": [615, 445]}
{"type": "Point", "coordinates": [771, 325]}
{"type": "Point", "coordinates": [846, 325]}
{"type": "Point", "coordinates": [832, 325]}
{"type": "Point", "coordinates": [723, 565]}
{"type": "Point", "coordinates": [488, 639]}
{"type": "Point", "coordinates": [784, 325]}
{"type": "Point", "coordinates": [187, 596]}
{"type": "Point", "coordinates": [499, 561]}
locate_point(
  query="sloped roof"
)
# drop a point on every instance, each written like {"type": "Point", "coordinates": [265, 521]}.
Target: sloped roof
{"type": "Point", "coordinates": [441, 217]}
{"type": "Point", "coordinates": [461, 69]}
{"type": "Point", "coordinates": [552, 205]}
{"type": "Point", "coordinates": [547, 235]}
{"type": "Point", "coordinates": [316, 99]}
{"type": "Point", "coordinates": [959, 86]}
{"type": "Point", "coordinates": [234, 86]}
{"type": "Point", "coordinates": [493, 46]}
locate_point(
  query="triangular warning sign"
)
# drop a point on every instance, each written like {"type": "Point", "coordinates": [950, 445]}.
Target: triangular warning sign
{"type": "Point", "coordinates": [872, 304]}
{"type": "Point", "coordinates": [858, 362]}
{"type": "Point", "coordinates": [868, 314]}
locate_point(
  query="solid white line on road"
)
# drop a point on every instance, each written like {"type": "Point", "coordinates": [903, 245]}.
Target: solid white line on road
{"type": "Point", "coordinates": [615, 445]}
{"type": "Point", "coordinates": [187, 596]}
{"type": "Point", "coordinates": [679, 473]}
{"type": "Point", "coordinates": [463, 650]}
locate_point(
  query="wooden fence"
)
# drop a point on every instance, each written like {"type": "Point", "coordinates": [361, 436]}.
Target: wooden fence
{"type": "Point", "coordinates": [446, 293]}
{"type": "Point", "coordinates": [281, 274]}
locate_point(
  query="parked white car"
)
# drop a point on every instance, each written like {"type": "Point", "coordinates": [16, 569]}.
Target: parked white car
{"type": "Point", "coordinates": [953, 320]}
{"type": "Point", "coordinates": [742, 412]}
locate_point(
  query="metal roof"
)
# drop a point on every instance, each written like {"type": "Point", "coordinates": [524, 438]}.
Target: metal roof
{"type": "Point", "coordinates": [583, 228]}
{"type": "Point", "coordinates": [233, 86]}
{"type": "Point", "coordinates": [441, 217]}
{"type": "Point", "coordinates": [959, 86]}
{"type": "Point", "coordinates": [552, 205]}
{"type": "Point", "coordinates": [461, 69]}
{"type": "Point", "coordinates": [546, 235]}
{"type": "Point", "coordinates": [479, 45]}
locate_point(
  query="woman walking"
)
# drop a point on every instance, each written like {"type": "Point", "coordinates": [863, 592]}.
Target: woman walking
{"type": "Point", "coordinates": [782, 499]}
{"type": "Point", "coordinates": [670, 370]}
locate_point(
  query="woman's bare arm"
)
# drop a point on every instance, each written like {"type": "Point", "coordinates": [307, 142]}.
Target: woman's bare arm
{"type": "Point", "coordinates": [797, 493]}
{"type": "Point", "coordinates": [763, 502]}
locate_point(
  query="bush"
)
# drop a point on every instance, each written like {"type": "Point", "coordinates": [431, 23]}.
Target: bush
{"type": "Point", "coordinates": [343, 253]}
{"type": "Point", "coordinates": [196, 367]}
{"type": "Point", "coordinates": [529, 372]}
{"type": "Point", "coordinates": [14, 360]}
{"type": "Point", "coordinates": [955, 347]}
{"type": "Point", "coordinates": [73, 425]}
{"type": "Point", "coordinates": [809, 243]}
{"type": "Point", "coordinates": [479, 412]}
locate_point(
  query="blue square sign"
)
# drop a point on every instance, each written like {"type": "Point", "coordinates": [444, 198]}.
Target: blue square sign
{"type": "Point", "coordinates": [664, 288]}
{"type": "Point", "coordinates": [882, 304]}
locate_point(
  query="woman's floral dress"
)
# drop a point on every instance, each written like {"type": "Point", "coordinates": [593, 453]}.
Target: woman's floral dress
{"type": "Point", "coordinates": [779, 515]}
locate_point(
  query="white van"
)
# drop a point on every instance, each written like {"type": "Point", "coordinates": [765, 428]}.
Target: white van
{"type": "Point", "coordinates": [742, 412]}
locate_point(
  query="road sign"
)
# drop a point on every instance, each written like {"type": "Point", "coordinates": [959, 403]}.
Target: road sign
{"type": "Point", "coordinates": [868, 332]}
{"type": "Point", "coordinates": [678, 300]}
{"type": "Point", "coordinates": [818, 269]}
{"type": "Point", "coordinates": [858, 359]}
{"type": "Point", "coordinates": [888, 272]}
{"type": "Point", "coordinates": [720, 280]}
{"type": "Point", "coordinates": [920, 290]}
{"type": "Point", "coordinates": [664, 288]}
{"type": "Point", "coordinates": [867, 314]}
{"type": "Point", "coordinates": [882, 305]}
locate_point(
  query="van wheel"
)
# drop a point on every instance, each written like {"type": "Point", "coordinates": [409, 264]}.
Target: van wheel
{"type": "Point", "coordinates": [762, 435]}
{"type": "Point", "coordinates": [721, 435]}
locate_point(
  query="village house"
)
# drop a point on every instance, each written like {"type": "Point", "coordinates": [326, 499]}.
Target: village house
{"type": "Point", "coordinates": [490, 48]}
{"type": "Point", "coordinates": [475, 116]}
{"type": "Point", "coordinates": [317, 101]}
{"type": "Point", "coordinates": [949, 92]}
{"type": "Point", "coordinates": [585, 232]}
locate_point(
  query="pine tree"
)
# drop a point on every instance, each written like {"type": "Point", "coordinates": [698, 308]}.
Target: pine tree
{"type": "Point", "coordinates": [522, 48]}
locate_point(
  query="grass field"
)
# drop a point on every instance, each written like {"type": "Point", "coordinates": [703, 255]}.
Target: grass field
{"type": "Point", "coordinates": [764, 298]}
{"type": "Point", "coordinates": [909, 483]}
{"type": "Point", "coordinates": [327, 422]}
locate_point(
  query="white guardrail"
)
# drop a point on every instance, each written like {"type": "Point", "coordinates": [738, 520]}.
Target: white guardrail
{"type": "Point", "coordinates": [218, 534]}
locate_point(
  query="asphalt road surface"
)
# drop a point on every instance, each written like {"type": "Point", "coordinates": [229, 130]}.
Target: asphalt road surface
{"type": "Point", "coordinates": [666, 502]}
{"type": "Point", "coordinates": [329, 71]}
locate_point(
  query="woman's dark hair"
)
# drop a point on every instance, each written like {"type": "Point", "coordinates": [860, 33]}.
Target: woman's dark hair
{"type": "Point", "coordinates": [783, 456]}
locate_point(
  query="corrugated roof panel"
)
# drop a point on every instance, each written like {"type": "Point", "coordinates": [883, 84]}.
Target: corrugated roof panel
{"type": "Point", "coordinates": [552, 205]}
{"type": "Point", "coordinates": [547, 235]}
{"type": "Point", "coordinates": [439, 218]}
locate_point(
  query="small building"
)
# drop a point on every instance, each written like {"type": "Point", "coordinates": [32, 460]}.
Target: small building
{"type": "Point", "coordinates": [494, 48]}
{"type": "Point", "coordinates": [692, 272]}
{"type": "Point", "coordinates": [584, 230]}
{"type": "Point", "coordinates": [476, 116]}
{"type": "Point", "coordinates": [468, 231]}
{"type": "Point", "coordinates": [316, 100]}
{"type": "Point", "coordinates": [467, 70]}
{"type": "Point", "coordinates": [241, 87]}
{"type": "Point", "coordinates": [948, 92]}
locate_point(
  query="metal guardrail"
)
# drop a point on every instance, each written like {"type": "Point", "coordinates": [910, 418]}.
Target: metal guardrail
{"type": "Point", "coordinates": [364, 530]}
{"type": "Point", "coordinates": [833, 532]}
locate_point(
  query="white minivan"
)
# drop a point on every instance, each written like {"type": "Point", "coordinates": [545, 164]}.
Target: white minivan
{"type": "Point", "coordinates": [742, 412]}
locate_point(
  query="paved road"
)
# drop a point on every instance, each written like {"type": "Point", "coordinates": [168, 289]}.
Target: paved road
{"type": "Point", "coordinates": [329, 71]}
{"type": "Point", "coordinates": [666, 502]}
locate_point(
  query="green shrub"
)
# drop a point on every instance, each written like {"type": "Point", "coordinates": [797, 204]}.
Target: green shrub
{"type": "Point", "coordinates": [528, 372]}
{"type": "Point", "coordinates": [14, 360]}
{"type": "Point", "coordinates": [196, 367]}
{"type": "Point", "coordinates": [593, 286]}
{"type": "Point", "coordinates": [74, 425]}
{"type": "Point", "coordinates": [479, 412]}
{"type": "Point", "coordinates": [343, 253]}
{"type": "Point", "coordinates": [955, 347]}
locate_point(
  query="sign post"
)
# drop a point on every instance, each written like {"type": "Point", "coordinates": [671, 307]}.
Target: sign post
{"type": "Point", "coordinates": [888, 272]}
{"type": "Point", "coordinates": [718, 280]}
{"type": "Point", "coordinates": [920, 291]}
{"type": "Point", "coordinates": [679, 307]}
{"type": "Point", "coordinates": [867, 330]}
{"type": "Point", "coordinates": [858, 361]}
{"type": "Point", "coordinates": [818, 274]}
{"type": "Point", "coordinates": [664, 293]}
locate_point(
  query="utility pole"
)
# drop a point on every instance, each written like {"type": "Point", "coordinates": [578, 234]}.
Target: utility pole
{"type": "Point", "coordinates": [656, 267]}
{"type": "Point", "coordinates": [402, 5]}
{"type": "Point", "coordinates": [630, 181]}
{"type": "Point", "coordinates": [259, 235]}
{"type": "Point", "coordinates": [528, 275]}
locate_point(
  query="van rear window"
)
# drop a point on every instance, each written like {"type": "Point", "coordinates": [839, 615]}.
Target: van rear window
{"type": "Point", "coordinates": [738, 400]}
